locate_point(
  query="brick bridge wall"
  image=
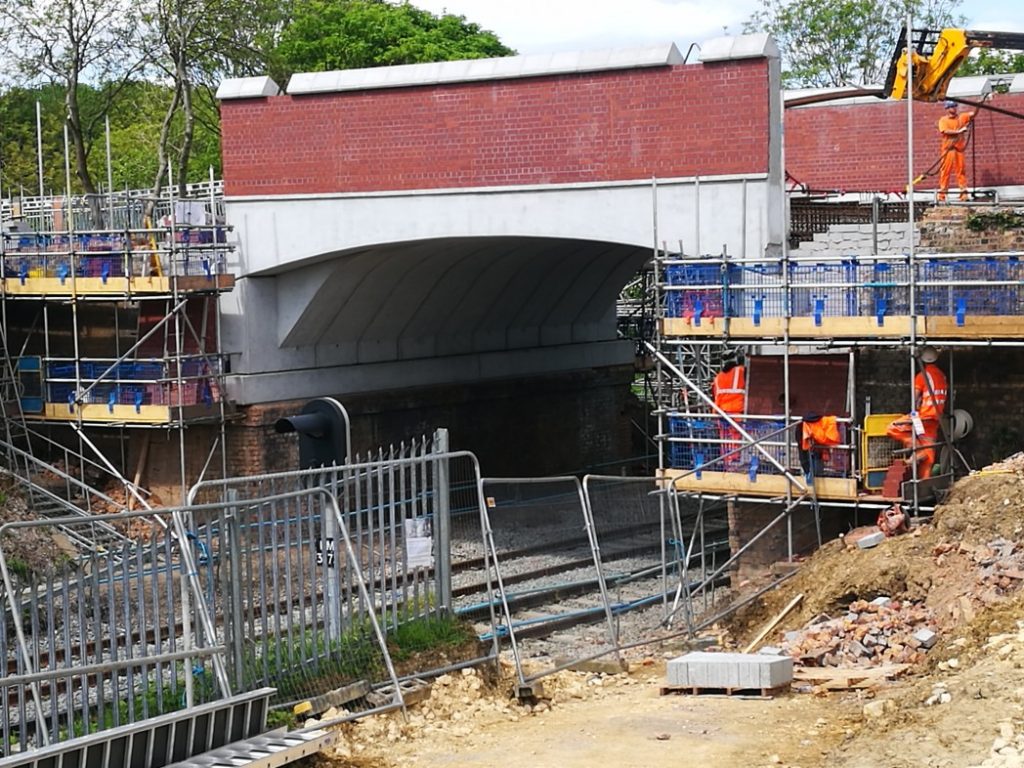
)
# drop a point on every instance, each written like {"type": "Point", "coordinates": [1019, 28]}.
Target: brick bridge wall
{"type": "Point", "coordinates": [863, 147]}
{"type": "Point", "coordinates": [576, 420]}
{"type": "Point", "coordinates": [698, 119]}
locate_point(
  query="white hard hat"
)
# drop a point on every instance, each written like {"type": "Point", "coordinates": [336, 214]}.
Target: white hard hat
{"type": "Point", "coordinates": [929, 354]}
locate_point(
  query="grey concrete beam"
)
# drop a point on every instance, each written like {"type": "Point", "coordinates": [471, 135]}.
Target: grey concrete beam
{"type": "Point", "coordinates": [247, 88]}
{"type": "Point", "coordinates": [474, 70]}
{"type": "Point", "coordinates": [341, 380]}
{"type": "Point", "coordinates": [757, 46]}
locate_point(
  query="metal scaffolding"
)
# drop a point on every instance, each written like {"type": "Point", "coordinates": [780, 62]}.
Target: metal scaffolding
{"type": "Point", "coordinates": [109, 333]}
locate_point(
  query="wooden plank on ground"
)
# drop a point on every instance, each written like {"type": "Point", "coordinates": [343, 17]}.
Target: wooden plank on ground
{"type": "Point", "coordinates": [737, 693]}
{"type": "Point", "coordinates": [847, 678]}
{"type": "Point", "coordinates": [774, 623]}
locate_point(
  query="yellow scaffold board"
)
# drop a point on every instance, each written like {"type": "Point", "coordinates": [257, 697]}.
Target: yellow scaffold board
{"type": "Point", "coordinates": [853, 327]}
{"type": "Point", "coordinates": [731, 483]}
{"type": "Point", "coordinates": [95, 286]}
{"type": "Point", "coordinates": [976, 327]}
{"type": "Point", "coordinates": [125, 414]}
{"type": "Point", "coordinates": [799, 327]}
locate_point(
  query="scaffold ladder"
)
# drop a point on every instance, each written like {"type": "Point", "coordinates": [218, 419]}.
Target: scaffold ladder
{"type": "Point", "coordinates": [266, 751]}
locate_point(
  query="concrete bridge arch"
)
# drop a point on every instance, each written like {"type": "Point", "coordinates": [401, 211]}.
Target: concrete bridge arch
{"type": "Point", "coordinates": [464, 221]}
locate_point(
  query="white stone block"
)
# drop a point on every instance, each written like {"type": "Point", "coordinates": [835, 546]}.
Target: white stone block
{"type": "Point", "coordinates": [926, 638]}
{"type": "Point", "coordinates": [871, 540]}
{"type": "Point", "coordinates": [730, 670]}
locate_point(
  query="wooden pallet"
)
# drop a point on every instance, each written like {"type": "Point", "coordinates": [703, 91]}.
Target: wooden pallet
{"type": "Point", "coordinates": [738, 693]}
{"type": "Point", "coordinates": [847, 678]}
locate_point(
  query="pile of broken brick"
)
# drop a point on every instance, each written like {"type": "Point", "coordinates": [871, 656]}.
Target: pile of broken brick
{"type": "Point", "coordinates": [1000, 571]}
{"type": "Point", "coordinates": [874, 633]}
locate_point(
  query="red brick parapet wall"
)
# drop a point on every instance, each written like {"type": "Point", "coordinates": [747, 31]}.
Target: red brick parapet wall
{"type": "Point", "coordinates": [679, 121]}
{"type": "Point", "coordinates": [863, 147]}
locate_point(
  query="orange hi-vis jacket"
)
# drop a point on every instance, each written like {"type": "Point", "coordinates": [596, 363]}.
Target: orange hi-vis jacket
{"type": "Point", "coordinates": [931, 390]}
{"type": "Point", "coordinates": [947, 123]}
{"type": "Point", "coordinates": [823, 432]}
{"type": "Point", "coordinates": [730, 389]}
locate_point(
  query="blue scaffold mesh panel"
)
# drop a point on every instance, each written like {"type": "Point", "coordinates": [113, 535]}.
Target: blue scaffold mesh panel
{"type": "Point", "coordinates": [695, 449]}
{"type": "Point", "coordinates": [829, 292]}
{"type": "Point", "coordinates": [692, 301]}
{"type": "Point", "coordinates": [757, 290]}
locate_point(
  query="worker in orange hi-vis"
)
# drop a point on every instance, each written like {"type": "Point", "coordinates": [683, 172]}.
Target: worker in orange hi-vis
{"type": "Point", "coordinates": [953, 127]}
{"type": "Point", "coordinates": [930, 395]}
{"type": "Point", "coordinates": [729, 391]}
{"type": "Point", "coordinates": [817, 435]}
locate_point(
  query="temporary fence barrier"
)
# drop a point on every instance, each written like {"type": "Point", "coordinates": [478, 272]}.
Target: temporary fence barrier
{"type": "Point", "coordinates": [398, 512]}
{"type": "Point", "coordinates": [117, 210]}
{"type": "Point", "coordinates": [197, 251]}
{"type": "Point", "coordinates": [104, 639]}
{"type": "Point", "coordinates": [649, 550]}
{"type": "Point", "coordinates": [547, 568]}
{"type": "Point", "coordinates": [202, 599]}
{"type": "Point", "coordinates": [705, 441]}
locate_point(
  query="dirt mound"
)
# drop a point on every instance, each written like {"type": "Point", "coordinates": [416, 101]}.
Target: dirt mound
{"type": "Point", "coordinates": [983, 507]}
{"type": "Point", "coordinates": [967, 560]}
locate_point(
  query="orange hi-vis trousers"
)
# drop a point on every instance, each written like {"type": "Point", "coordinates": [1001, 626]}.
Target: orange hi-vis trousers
{"type": "Point", "coordinates": [902, 429]}
{"type": "Point", "coordinates": [952, 164]}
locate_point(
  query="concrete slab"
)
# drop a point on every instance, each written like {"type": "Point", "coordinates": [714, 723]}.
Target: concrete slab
{"type": "Point", "coordinates": [743, 671]}
{"type": "Point", "coordinates": [871, 540]}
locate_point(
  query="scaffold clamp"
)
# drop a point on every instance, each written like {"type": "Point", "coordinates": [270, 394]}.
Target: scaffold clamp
{"type": "Point", "coordinates": [961, 311]}
{"type": "Point", "coordinates": [881, 305]}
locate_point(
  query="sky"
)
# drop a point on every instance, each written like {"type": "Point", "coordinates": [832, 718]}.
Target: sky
{"type": "Point", "coordinates": [550, 26]}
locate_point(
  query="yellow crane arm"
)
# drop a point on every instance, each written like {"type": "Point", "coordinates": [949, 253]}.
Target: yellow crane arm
{"type": "Point", "coordinates": [935, 55]}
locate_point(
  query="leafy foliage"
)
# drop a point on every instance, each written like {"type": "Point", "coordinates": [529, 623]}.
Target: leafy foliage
{"type": "Point", "coordinates": [67, 43]}
{"type": "Point", "coordinates": [828, 43]}
{"type": "Point", "coordinates": [995, 220]}
{"type": "Point", "coordinates": [151, 68]}
{"type": "Point", "coordinates": [986, 61]}
{"type": "Point", "coordinates": [345, 34]}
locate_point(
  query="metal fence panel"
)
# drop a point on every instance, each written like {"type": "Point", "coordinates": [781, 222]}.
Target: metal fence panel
{"type": "Point", "coordinates": [653, 552]}
{"type": "Point", "coordinates": [553, 591]}
{"type": "Point", "coordinates": [103, 640]}
{"type": "Point", "coordinates": [397, 507]}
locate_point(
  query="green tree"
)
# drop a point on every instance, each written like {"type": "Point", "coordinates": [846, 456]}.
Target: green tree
{"type": "Point", "coordinates": [989, 62]}
{"type": "Point", "coordinates": [18, 151]}
{"type": "Point", "coordinates": [828, 43]}
{"type": "Point", "coordinates": [347, 34]}
{"type": "Point", "coordinates": [70, 43]}
{"type": "Point", "coordinates": [192, 45]}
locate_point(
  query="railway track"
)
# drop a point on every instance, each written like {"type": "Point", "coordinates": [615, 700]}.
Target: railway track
{"type": "Point", "coordinates": [540, 608]}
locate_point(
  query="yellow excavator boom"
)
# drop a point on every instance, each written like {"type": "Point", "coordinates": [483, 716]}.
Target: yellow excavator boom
{"type": "Point", "coordinates": [935, 55]}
